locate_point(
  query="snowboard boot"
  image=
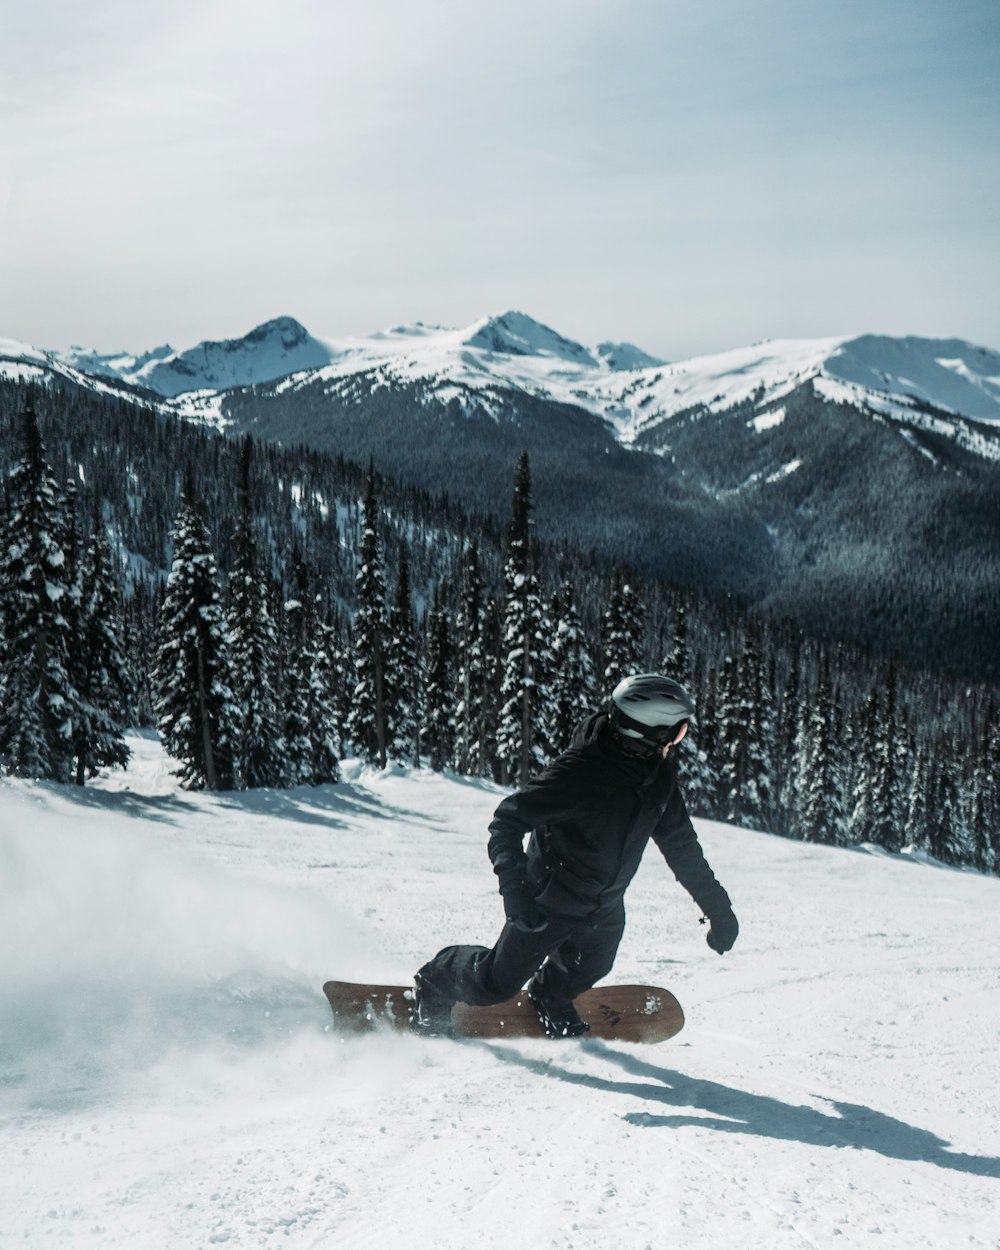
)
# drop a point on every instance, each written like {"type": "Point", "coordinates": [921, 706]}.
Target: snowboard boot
{"type": "Point", "coordinates": [557, 1019]}
{"type": "Point", "coordinates": [430, 1012]}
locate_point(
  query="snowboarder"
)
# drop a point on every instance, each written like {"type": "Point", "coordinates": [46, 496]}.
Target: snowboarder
{"type": "Point", "coordinates": [590, 815]}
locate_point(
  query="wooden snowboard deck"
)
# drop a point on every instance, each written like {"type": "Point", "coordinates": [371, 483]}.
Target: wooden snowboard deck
{"type": "Point", "coordinates": [626, 1013]}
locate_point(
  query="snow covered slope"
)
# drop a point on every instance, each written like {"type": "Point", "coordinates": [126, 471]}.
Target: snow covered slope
{"type": "Point", "coordinates": [885, 375]}
{"type": "Point", "coordinates": [168, 1079]}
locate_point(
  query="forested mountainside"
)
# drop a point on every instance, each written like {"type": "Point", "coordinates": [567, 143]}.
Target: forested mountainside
{"type": "Point", "coordinates": [862, 527]}
{"type": "Point", "coordinates": [595, 495]}
{"type": "Point", "coordinates": [884, 531]}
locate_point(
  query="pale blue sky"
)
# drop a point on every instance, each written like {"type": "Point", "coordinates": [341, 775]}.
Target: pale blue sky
{"type": "Point", "coordinates": [688, 176]}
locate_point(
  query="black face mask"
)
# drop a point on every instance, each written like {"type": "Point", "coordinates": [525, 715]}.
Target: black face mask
{"type": "Point", "coordinates": [638, 748]}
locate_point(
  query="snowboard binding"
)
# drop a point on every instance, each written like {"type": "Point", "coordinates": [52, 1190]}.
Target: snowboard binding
{"type": "Point", "coordinates": [430, 1014]}
{"type": "Point", "coordinates": [557, 1019]}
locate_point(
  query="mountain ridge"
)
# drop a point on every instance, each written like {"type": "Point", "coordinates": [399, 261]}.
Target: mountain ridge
{"type": "Point", "coordinates": [633, 391]}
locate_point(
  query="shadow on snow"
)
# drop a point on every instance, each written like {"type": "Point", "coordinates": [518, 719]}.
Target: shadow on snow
{"type": "Point", "coordinates": [848, 1124]}
{"type": "Point", "coordinates": [331, 806]}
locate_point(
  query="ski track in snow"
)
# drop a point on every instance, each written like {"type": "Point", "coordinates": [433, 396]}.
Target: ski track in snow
{"type": "Point", "coordinates": [168, 1077]}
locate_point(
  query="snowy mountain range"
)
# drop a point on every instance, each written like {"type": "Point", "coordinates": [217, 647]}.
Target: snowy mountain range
{"type": "Point", "coordinates": [899, 377]}
{"type": "Point", "coordinates": [918, 383]}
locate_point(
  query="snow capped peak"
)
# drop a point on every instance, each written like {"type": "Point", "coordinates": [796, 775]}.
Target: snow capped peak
{"type": "Point", "coordinates": [268, 352]}
{"type": "Point", "coordinates": [517, 334]}
{"type": "Point", "coordinates": [281, 334]}
{"type": "Point", "coordinates": [290, 332]}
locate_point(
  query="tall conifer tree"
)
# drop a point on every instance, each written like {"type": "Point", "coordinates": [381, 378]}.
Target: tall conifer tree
{"type": "Point", "coordinates": [139, 623]}
{"type": "Point", "coordinates": [403, 678]}
{"type": "Point", "coordinates": [789, 746]}
{"type": "Point", "coordinates": [472, 668]}
{"type": "Point", "coordinates": [950, 839]}
{"type": "Point", "coordinates": [862, 763]}
{"type": "Point", "coordinates": [197, 716]}
{"type": "Point", "coordinates": [299, 630]}
{"type": "Point", "coordinates": [623, 632]}
{"type": "Point", "coordinates": [325, 678]}
{"type": "Point", "coordinates": [39, 702]}
{"type": "Point", "coordinates": [439, 722]}
{"type": "Point", "coordinates": [745, 738]}
{"type": "Point", "coordinates": [520, 734]}
{"type": "Point", "coordinates": [573, 685]}
{"type": "Point", "coordinates": [493, 670]}
{"type": "Point", "coordinates": [919, 798]}
{"type": "Point", "coordinates": [261, 757]}
{"type": "Point", "coordinates": [702, 780]}
{"type": "Point", "coordinates": [313, 672]}
{"type": "Point", "coordinates": [677, 660]}
{"type": "Point", "coordinates": [820, 790]}
{"type": "Point", "coordinates": [885, 820]}
{"type": "Point", "coordinates": [679, 664]}
{"type": "Point", "coordinates": [100, 662]}
{"type": "Point", "coordinates": [367, 720]}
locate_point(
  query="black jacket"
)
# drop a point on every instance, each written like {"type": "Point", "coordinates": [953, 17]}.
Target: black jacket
{"type": "Point", "coordinates": [590, 815]}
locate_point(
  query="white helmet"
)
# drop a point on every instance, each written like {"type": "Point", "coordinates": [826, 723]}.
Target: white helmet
{"type": "Point", "coordinates": [650, 709]}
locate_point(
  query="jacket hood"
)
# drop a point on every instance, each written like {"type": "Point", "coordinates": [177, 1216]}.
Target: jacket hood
{"type": "Point", "coordinates": [589, 730]}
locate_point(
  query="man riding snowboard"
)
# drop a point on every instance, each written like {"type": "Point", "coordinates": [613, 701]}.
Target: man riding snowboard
{"type": "Point", "coordinates": [590, 815]}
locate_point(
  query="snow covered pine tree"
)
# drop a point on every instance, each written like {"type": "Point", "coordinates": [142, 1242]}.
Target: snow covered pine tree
{"type": "Point", "coordinates": [520, 734]}
{"type": "Point", "coordinates": [39, 703]}
{"type": "Point", "coordinates": [194, 702]}
{"type": "Point", "coordinates": [100, 664]}
{"type": "Point", "coordinates": [366, 723]}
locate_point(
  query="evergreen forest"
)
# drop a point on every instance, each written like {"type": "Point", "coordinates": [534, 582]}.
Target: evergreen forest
{"type": "Point", "coordinates": [271, 610]}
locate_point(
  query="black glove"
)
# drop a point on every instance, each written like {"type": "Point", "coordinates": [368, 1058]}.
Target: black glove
{"type": "Point", "coordinates": [520, 907]}
{"type": "Point", "coordinates": [723, 930]}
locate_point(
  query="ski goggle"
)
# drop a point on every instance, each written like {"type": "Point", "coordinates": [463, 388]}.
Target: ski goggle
{"type": "Point", "coordinates": [656, 735]}
{"type": "Point", "coordinates": [653, 737]}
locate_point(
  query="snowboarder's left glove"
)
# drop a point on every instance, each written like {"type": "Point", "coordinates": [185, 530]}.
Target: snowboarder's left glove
{"type": "Point", "coordinates": [723, 931]}
{"type": "Point", "coordinates": [520, 907]}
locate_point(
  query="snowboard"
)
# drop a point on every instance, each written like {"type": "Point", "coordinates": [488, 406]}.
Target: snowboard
{"type": "Point", "coordinates": [624, 1013]}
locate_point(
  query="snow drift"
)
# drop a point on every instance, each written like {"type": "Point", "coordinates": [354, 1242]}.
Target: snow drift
{"type": "Point", "coordinates": [128, 953]}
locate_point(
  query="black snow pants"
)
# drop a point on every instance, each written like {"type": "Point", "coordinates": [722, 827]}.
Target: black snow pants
{"type": "Point", "coordinates": [569, 954]}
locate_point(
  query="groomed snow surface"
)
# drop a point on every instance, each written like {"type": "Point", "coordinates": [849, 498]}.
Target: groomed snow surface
{"type": "Point", "coordinates": [168, 1077]}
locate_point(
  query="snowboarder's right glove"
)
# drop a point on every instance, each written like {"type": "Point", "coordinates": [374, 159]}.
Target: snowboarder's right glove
{"type": "Point", "coordinates": [520, 907]}
{"type": "Point", "coordinates": [722, 931]}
